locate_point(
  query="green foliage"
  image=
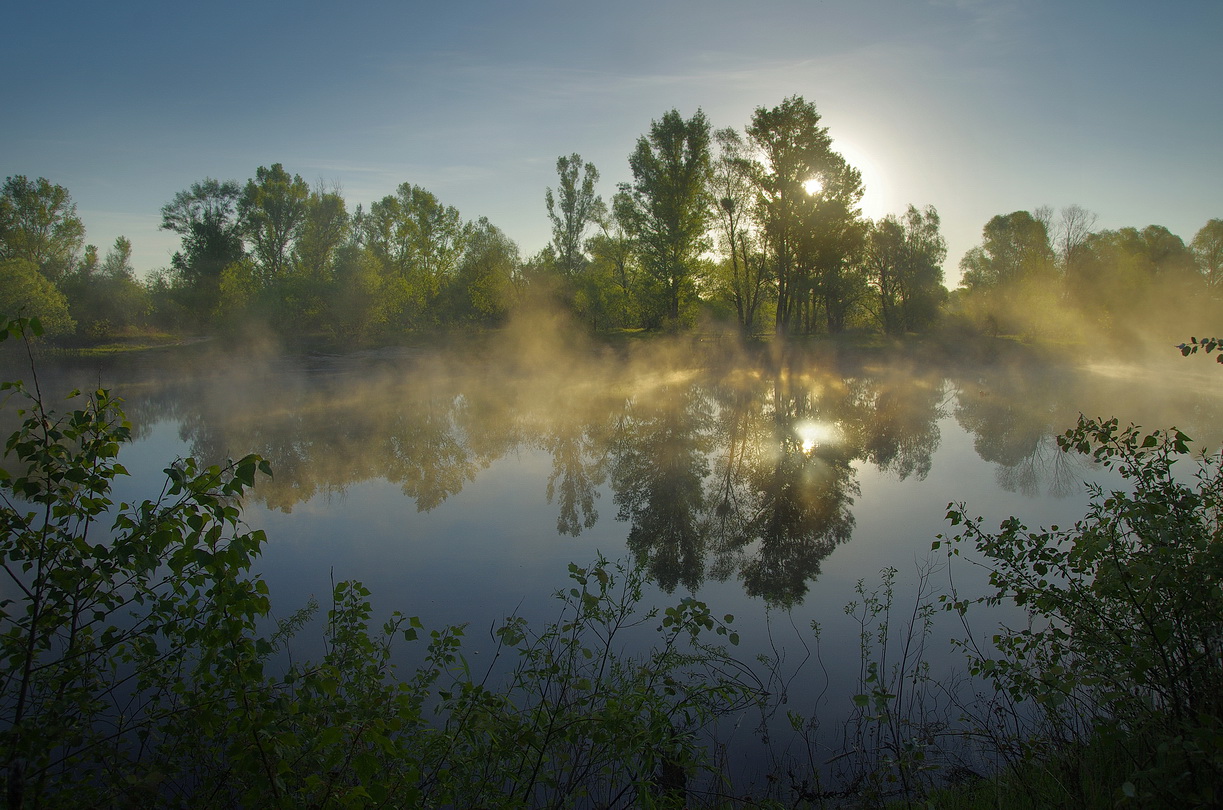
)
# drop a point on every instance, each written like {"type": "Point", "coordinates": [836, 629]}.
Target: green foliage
{"type": "Point", "coordinates": [106, 298]}
{"type": "Point", "coordinates": [904, 259]}
{"type": "Point", "coordinates": [573, 208]}
{"type": "Point", "coordinates": [27, 292]}
{"type": "Point", "coordinates": [579, 722]}
{"type": "Point", "coordinates": [896, 727]}
{"type": "Point", "coordinates": [1207, 247]}
{"type": "Point", "coordinates": [1127, 610]}
{"type": "Point", "coordinates": [205, 216]}
{"type": "Point", "coordinates": [1014, 248]}
{"type": "Point", "coordinates": [102, 627]}
{"type": "Point", "coordinates": [666, 209]}
{"type": "Point", "coordinates": [272, 211]}
{"type": "Point", "coordinates": [419, 243]}
{"type": "Point", "coordinates": [38, 223]}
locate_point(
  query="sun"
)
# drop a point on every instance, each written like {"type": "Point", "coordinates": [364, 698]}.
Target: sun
{"type": "Point", "coordinates": [813, 186]}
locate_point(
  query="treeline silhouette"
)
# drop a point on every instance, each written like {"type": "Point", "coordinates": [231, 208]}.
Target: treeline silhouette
{"type": "Point", "coordinates": [759, 228]}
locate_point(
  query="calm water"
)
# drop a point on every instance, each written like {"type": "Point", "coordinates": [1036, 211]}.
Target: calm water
{"type": "Point", "coordinates": [458, 484]}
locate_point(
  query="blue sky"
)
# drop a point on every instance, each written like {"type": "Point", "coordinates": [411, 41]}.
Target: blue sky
{"type": "Point", "coordinates": [974, 106]}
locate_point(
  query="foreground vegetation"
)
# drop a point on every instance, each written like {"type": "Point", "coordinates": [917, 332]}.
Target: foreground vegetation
{"type": "Point", "coordinates": [142, 665]}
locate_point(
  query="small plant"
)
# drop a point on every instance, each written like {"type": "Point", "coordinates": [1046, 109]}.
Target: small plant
{"type": "Point", "coordinates": [896, 733]}
{"type": "Point", "coordinates": [579, 722]}
{"type": "Point", "coordinates": [1125, 640]}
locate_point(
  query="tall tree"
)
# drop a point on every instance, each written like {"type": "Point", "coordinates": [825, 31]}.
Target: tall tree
{"type": "Point", "coordinates": [205, 216]}
{"type": "Point", "coordinates": [733, 187]}
{"type": "Point", "coordinates": [666, 206]}
{"type": "Point", "coordinates": [38, 223]}
{"type": "Point", "coordinates": [420, 242]}
{"type": "Point", "coordinates": [105, 296]}
{"type": "Point", "coordinates": [572, 209]}
{"type": "Point", "coordinates": [324, 228]}
{"type": "Point", "coordinates": [483, 286]}
{"type": "Point", "coordinates": [831, 249]}
{"type": "Point", "coordinates": [1070, 233]}
{"type": "Point", "coordinates": [807, 205]}
{"type": "Point", "coordinates": [272, 210]}
{"type": "Point", "coordinates": [614, 264]}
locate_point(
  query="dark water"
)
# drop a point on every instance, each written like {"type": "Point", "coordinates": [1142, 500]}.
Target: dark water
{"type": "Point", "coordinates": [458, 484]}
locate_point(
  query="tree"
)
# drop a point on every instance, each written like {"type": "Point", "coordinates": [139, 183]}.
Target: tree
{"type": "Point", "coordinates": [419, 242]}
{"type": "Point", "coordinates": [807, 207]}
{"type": "Point", "coordinates": [205, 216]}
{"type": "Point", "coordinates": [614, 266]}
{"type": "Point", "coordinates": [324, 228]}
{"type": "Point", "coordinates": [733, 187]}
{"type": "Point", "coordinates": [666, 207]}
{"type": "Point", "coordinates": [38, 223]}
{"type": "Point", "coordinates": [359, 306]}
{"type": "Point", "coordinates": [1070, 233]}
{"type": "Point", "coordinates": [1208, 248]}
{"type": "Point", "coordinates": [831, 247]}
{"type": "Point", "coordinates": [483, 286]}
{"type": "Point", "coordinates": [106, 296]}
{"type": "Point", "coordinates": [27, 293]}
{"type": "Point", "coordinates": [904, 260]}
{"type": "Point", "coordinates": [271, 211]}
{"type": "Point", "coordinates": [1014, 248]}
{"type": "Point", "coordinates": [573, 208]}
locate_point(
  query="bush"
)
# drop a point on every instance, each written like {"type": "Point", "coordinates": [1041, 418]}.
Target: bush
{"type": "Point", "coordinates": [1125, 640]}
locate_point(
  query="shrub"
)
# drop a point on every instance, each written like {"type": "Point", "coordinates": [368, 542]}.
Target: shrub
{"type": "Point", "coordinates": [1126, 632]}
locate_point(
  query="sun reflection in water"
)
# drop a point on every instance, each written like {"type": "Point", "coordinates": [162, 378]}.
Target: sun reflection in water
{"type": "Point", "coordinates": [812, 434]}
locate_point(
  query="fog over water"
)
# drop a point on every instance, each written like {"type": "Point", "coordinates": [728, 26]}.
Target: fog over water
{"type": "Point", "coordinates": [459, 481]}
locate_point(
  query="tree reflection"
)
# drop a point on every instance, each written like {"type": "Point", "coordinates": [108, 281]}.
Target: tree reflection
{"type": "Point", "coordinates": [658, 475]}
{"type": "Point", "coordinates": [901, 432]}
{"type": "Point", "coordinates": [1014, 417]}
{"type": "Point", "coordinates": [747, 472]}
{"type": "Point", "coordinates": [786, 490]}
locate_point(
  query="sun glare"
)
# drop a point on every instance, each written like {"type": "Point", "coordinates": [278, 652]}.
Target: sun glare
{"type": "Point", "coordinates": [813, 186]}
{"type": "Point", "coordinates": [875, 201]}
{"type": "Point", "coordinates": [814, 434]}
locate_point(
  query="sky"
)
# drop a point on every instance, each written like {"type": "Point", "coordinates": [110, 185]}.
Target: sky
{"type": "Point", "coordinates": [977, 107]}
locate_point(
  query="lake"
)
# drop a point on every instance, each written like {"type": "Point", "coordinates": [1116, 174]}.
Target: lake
{"type": "Point", "coordinates": [459, 482]}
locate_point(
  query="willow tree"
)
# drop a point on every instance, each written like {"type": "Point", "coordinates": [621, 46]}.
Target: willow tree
{"type": "Point", "coordinates": [666, 207]}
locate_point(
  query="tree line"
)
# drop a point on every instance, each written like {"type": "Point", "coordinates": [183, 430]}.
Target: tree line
{"type": "Point", "coordinates": [761, 228]}
{"type": "Point", "coordinates": [1049, 273]}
